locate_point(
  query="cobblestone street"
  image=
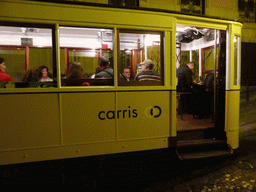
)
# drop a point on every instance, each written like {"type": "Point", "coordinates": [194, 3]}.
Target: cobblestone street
{"type": "Point", "coordinates": [239, 174]}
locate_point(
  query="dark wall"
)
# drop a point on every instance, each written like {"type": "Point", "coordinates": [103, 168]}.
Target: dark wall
{"type": "Point", "coordinates": [248, 64]}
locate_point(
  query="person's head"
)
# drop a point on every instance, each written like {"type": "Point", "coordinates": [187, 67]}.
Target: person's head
{"type": "Point", "coordinates": [75, 71]}
{"type": "Point", "coordinates": [30, 75]}
{"type": "Point", "coordinates": [191, 65]}
{"type": "Point", "coordinates": [127, 73]}
{"type": "Point", "coordinates": [147, 65]}
{"type": "Point", "coordinates": [2, 64]}
{"type": "Point", "coordinates": [43, 71]}
{"type": "Point", "coordinates": [103, 62]}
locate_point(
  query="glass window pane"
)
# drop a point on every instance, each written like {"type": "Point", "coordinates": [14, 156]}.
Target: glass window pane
{"type": "Point", "coordinates": [82, 50]}
{"type": "Point", "coordinates": [140, 58]}
{"type": "Point", "coordinates": [26, 52]}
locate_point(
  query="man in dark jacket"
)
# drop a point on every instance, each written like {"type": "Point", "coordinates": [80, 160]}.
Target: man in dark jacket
{"type": "Point", "coordinates": [105, 70]}
{"type": "Point", "coordinates": [184, 74]}
{"type": "Point", "coordinates": [185, 82]}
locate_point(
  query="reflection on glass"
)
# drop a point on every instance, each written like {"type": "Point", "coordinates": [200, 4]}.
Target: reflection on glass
{"type": "Point", "coordinates": [236, 60]}
{"type": "Point", "coordinates": [139, 56]}
{"type": "Point", "coordinates": [85, 46]}
{"type": "Point", "coordinates": [24, 50]}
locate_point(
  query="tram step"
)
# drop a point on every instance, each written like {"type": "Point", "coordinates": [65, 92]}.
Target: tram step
{"type": "Point", "coordinates": [203, 148]}
{"type": "Point", "coordinates": [197, 142]}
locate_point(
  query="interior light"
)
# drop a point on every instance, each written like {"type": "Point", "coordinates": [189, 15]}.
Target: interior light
{"type": "Point", "coordinates": [150, 38]}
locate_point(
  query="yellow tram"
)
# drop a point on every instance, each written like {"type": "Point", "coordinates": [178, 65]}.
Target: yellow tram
{"type": "Point", "coordinates": [63, 118]}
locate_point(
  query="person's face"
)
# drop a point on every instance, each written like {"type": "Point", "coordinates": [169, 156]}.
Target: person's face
{"type": "Point", "coordinates": [2, 67]}
{"type": "Point", "coordinates": [44, 73]}
{"type": "Point", "coordinates": [191, 66]}
{"type": "Point", "coordinates": [127, 73]}
{"type": "Point", "coordinates": [144, 67]}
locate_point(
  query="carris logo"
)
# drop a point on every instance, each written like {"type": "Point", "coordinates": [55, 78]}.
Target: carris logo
{"type": "Point", "coordinates": [150, 112]}
{"type": "Point", "coordinates": [153, 111]}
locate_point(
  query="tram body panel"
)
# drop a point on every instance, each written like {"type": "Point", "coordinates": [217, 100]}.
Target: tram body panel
{"type": "Point", "coordinates": [232, 117]}
{"type": "Point", "coordinates": [29, 121]}
{"type": "Point", "coordinates": [142, 115]}
{"type": "Point", "coordinates": [70, 13]}
{"type": "Point", "coordinates": [83, 117]}
{"type": "Point", "coordinates": [80, 150]}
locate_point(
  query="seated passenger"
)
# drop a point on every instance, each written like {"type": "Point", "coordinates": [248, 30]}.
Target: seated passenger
{"type": "Point", "coordinates": [75, 71]}
{"type": "Point", "coordinates": [3, 76]}
{"type": "Point", "coordinates": [30, 76]}
{"type": "Point", "coordinates": [147, 72]}
{"type": "Point", "coordinates": [43, 74]}
{"type": "Point", "coordinates": [105, 70]}
{"type": "Point", "coordinates": [209, 82]}
{"type": "Point", "coordinates": [96, 71]}
{"type": "Point", "coordinates": [126, 75]}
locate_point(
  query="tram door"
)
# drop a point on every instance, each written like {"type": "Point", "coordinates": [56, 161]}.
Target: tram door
{"type": "Point", "coordinates": [201, 105]}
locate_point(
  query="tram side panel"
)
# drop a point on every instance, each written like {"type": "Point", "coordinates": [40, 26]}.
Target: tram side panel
{"type": "Point", "coordinates": [47, 126]}
{"type": "Point", "coordinates": [28, 121]}
{"type": "Point", "coordinates": [143, 115]}
{"type": "Point", "coordinates": [83, 117]}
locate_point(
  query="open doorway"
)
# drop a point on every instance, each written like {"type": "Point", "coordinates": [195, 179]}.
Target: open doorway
{"type": "Point", "coordinates": [201, 104]}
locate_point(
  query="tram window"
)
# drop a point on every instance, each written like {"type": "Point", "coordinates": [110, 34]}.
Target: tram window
{"type": "Point", "coordinates": [24, 51]}
{"type": "Point", "coordinates": [141, 54]}
{"type": "Point", "coordinates": [237, 60]}
{"type": "Point", "coordinates": [81, 50]}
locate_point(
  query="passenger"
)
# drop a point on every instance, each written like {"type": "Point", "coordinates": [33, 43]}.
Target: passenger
{"type": "Point", "coordinates": [184, 74]}
{"type": "Point", "coordinates": [147, 72]}
{"type": "Point", "coordinates": [185, 82]}
{"type": "Point", "coordinates": [43, 74]}
{"type": "Point", "coordinates": [75, 71]}
{"type": "Point", "coordinates": [96, 71]}
{"type": "Point", "coordinates": [105, 70]}
{"type": "Point", "coordinates": [126, 75]}
{"type": "Point", "coordinates": [30, 76]}
{"type": "Point", "coordinates": [209, 82]}
{"type": "Point", "coordinates": [3, 76]}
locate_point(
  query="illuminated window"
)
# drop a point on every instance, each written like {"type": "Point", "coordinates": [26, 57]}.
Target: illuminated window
{"type": "Point", "coordinates": [193, 6]}
{"type": "Point", "coordinates": [141, 53]}
{"type": "Point", "coordinates": [246, 10]}
{"type": "Point", "coordinates": [81, 50]}
{"type": "Point", "coordinates": [124, 3]}
{"type": "Point", "coordinates": [28, 55]}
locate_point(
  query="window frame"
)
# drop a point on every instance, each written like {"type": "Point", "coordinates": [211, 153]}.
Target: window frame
{"type": "Point", "coordinates": [140, 83]}
{"type": "Point", "coordinates": [93, 81]}
{"type": "Point", "coordinates": [26, 47]}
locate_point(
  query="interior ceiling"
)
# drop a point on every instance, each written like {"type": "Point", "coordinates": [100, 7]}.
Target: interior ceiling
{"type": "Point", "coordinates": [80, 32]}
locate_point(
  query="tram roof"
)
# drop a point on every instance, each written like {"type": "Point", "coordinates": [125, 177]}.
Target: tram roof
{"type": "Point", "coordinates": [134, 8]}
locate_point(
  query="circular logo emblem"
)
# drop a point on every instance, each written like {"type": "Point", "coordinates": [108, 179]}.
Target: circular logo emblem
{"type": "Point", "coordinates": [153, 111]}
